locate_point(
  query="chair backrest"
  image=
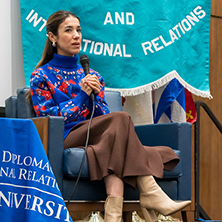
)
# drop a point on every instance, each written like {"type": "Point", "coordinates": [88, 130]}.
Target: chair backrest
{"type": "Point", "coordinates": [114, 100]}
{"type": "Point", "coordinates": [19, 107]}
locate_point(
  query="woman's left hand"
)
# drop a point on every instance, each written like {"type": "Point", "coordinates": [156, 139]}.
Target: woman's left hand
{"type": "Point", "coordinates": [93, 82]}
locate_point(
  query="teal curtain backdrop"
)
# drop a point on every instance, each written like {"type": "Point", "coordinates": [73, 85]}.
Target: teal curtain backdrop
{"type": "Point", "coordinates": [135, 45]}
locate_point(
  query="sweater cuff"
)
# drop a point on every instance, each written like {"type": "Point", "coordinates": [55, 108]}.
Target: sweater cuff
{"type": "Point", "coordinates": [82, 97]}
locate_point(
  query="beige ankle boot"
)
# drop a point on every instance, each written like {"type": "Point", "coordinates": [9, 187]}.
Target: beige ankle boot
{"type": "Point", "coordinates": [113, 209]}
{"type": "Point", "coordinates": [153, 197]}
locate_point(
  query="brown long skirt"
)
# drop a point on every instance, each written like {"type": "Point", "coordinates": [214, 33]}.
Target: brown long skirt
{"type": "Point", "coordinates": [115, 148]}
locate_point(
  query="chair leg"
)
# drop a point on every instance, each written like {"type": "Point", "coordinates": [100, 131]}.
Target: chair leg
{"type": "Point", "coordinates": [127, 216]}
{"type": "Point", "coordinates": [184, 216]}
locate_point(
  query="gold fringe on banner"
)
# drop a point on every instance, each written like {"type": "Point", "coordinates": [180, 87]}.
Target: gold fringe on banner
{"type": "Point", "coordinates": [161, 82]}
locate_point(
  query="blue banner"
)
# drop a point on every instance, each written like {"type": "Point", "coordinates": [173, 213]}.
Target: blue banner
{"type": "Point", "coordinates": [28, 189]}
{"type": "Point", "coordinates": [135, 45]}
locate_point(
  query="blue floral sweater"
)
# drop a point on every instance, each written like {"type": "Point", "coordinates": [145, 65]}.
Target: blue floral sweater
{"type": "Point", "coordinates": [56, 91]}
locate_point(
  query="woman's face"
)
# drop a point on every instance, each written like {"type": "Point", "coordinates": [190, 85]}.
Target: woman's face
{"type": "Point", "coordinates": [69, 37]}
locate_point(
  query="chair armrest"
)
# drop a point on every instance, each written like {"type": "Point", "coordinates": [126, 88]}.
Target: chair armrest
{"type": "Point", "coordinates": [42, 126]}
{"type": "Point", "coordinates": [178, 137]}
{"type": "Point", "coordinates": [51, 131]}
{"type": "Point", "coordinates": [11, 107]}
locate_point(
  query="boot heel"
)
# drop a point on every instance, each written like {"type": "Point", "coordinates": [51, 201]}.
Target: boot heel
{"type": "Point", "coordinates": [149, 215]}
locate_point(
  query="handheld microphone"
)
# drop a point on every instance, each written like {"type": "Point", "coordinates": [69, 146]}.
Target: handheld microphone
{"type": "Point", "coordinates": [84, 60]}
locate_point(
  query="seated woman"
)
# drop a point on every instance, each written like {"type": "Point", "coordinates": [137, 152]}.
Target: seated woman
{"type": "Point", "coordinates": [59, 87]}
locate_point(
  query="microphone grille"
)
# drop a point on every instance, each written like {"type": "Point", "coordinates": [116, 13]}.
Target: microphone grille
{"type": "Point", "coordinates": [84, 58]}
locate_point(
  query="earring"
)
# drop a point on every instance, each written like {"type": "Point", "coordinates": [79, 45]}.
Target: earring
{"type": "Point", "coordinates": [54, 44]}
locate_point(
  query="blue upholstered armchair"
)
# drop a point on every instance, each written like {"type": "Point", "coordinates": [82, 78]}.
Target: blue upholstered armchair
{"type": "Point", "coordinates": [66, 163]}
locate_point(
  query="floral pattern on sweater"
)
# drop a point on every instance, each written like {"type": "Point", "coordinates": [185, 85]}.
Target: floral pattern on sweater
{"type": "Point", "coordinates": [56, 91]}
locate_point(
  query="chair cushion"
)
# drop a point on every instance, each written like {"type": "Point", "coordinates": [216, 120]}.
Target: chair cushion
{"type": "Point", "coordinates": [176, 171]}
{"type": "Point", "coordinates": [73, 159]}
{"type": "Point", "coordinates": [72, 163]}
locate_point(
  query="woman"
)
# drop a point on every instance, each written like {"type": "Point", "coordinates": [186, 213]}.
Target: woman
{"type": "Point", "coordinates": [59, 87]}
